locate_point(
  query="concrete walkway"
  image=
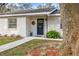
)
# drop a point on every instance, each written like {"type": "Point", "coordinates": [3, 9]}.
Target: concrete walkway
{"type": "Point", "coordinates": [19, 42]}
{"type": "Point", "coordinates": [14, 44]}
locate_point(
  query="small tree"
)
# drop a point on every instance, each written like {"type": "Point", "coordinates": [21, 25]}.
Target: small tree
{"type": "Point", "coordinates": [20, 6]}
{"type": "Point", "coordinates": [3, 7]}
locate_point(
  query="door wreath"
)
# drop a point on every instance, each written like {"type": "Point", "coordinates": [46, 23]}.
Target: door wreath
{"type": "Point", "coordinates": [33, 22]}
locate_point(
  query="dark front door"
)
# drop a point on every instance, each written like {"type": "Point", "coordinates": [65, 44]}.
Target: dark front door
{"type": "Point", "coordinates": [40, 26]}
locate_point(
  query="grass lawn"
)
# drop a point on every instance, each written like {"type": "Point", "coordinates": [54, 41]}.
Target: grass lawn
{"type": "Point", "coordinates": [7, 39]}
{"type": "Point", "coordinates": [23, 49]}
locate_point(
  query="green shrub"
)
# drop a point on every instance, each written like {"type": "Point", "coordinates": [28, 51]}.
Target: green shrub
{"type": "Point", "coordinates": [53, 34]}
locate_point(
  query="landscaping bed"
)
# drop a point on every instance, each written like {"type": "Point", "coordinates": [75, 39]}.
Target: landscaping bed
{"type": "Point", "coordinates": [7, 39]}
{"type": "Point", "coordinates": [34, 47]}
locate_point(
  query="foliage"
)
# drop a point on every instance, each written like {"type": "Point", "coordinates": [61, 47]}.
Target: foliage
{"type": "Point", "coordinates": [45, 5]}
{"type": "Point", "coordinates": [25, 5]}
{"type": "Point", "coordinates": [19, 6]}
{"type": "Point", "coordinates": [53, 34]}
{"type": "Point", "coordinates": [3, 7]}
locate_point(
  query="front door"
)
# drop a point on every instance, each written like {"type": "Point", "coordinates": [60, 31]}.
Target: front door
{"type": "Point", "coordinates": [40, 26]}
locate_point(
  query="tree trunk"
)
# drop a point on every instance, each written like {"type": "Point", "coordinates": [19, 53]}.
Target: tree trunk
{"type": "Point", "coordinates": [70, 23]}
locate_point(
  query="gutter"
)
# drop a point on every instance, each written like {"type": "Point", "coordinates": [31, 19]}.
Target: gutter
{"type": "Point", "coordinates": [26, 14]}
{"type": "Point", "coordinates": [30, 14]}
{"type": "Point", "coordinates": [54, 14]}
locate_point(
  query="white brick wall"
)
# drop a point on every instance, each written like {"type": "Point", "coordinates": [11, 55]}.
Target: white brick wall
{"type": "Point", "coordinates": [4, 27]}
{"type": "Point", "coordinates": [21, 26]}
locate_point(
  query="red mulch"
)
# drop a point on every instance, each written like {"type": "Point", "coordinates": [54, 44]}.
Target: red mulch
{"type": "Point", "coordinates": [35, 52]}
{"type": "Point", "coordinates": [49, 52]}
{"type": "Point", "coordinates": [52, 52]}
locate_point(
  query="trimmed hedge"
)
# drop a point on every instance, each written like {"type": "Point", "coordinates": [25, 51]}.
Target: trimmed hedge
{"type": "Point", "coordinates": [53, 34]}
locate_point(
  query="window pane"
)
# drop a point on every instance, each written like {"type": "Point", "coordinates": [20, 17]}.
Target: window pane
{"type": "Point", "coordinates": [12, 21]}
{"type": "Point", "coordinates": [12, 25]}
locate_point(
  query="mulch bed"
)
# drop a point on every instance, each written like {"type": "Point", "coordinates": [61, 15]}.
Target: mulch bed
{"type": "Point", "coordinates": [52, 52]}
{"type": "Point", "coordinates": [35, 52]}
{"type": "Point", "coordinates": [48, 52]}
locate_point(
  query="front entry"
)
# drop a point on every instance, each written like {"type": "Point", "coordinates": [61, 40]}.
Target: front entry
{"type": "Point", "coordinates": [40, 26]}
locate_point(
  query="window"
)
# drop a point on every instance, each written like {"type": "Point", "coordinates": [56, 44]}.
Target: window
{"type": "Point", "coordinates": [12, 23]}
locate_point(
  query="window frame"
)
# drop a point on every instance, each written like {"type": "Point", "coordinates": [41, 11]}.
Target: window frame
{"type": "Point", "coordinates": [12, 25]}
